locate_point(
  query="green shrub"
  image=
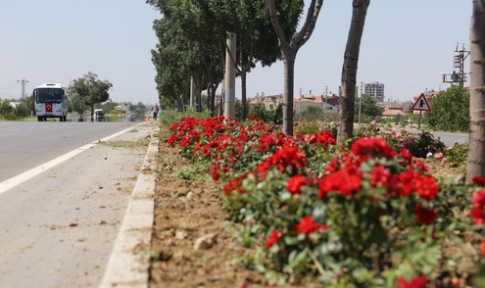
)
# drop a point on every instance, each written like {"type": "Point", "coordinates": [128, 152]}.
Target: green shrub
{"type": "Point", "coordinates": [117, 112]}
{"type": "Point", "coordinates": [169, 116]}
{"type": "Point", "coordinates": [450, 110]}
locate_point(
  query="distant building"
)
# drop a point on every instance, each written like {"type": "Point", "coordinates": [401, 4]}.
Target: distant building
{"type": "Point", "coordinates": [270, 102]}
{"type": "Point", "coordinates": [406, 106]}
{"type": "Point", "coordinates": [375, 90]}
{"type": "Point", "coordinates": [125, 105]}
{"type": "Point", "coordinates": [392, 109]}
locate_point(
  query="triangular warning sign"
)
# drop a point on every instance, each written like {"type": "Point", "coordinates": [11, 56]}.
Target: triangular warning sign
{"type": "Point", "coordinates": [421, 104]}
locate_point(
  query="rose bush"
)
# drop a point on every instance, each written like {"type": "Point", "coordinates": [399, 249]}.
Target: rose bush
{"type": "Point", "coordinates": [370, 216]}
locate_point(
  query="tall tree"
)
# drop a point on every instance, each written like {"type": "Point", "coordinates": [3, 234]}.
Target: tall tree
{"type": "Point", "coordinates": [91, 89]}
{"type": "Point", "coordinates": [76, 104]}
{"type": "Point", "coordinates": [442, 118]}
{"type": "Point", "coordinates": [476, 154]}
{"type": "Point", "coordinates": [289, 51]}
{"type": "Point", "coordinates": [349, 71]}
{"type": "Point", "coordinates": [173, 77]}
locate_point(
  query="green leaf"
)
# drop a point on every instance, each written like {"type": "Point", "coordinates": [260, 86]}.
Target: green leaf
{"type": "Point", "coordinates": [290, 240]}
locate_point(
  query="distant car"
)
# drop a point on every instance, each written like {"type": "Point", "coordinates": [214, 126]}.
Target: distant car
{"type": "Point", "coordinates": [98, 113]}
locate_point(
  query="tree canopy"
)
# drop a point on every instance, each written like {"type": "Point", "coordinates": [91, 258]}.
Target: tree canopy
{"type": "Point", "coordinates": [369, 106]}
{"type": "Point", "coordinates": [450, 110]}
{"type": "Point", "coordinates": [90, 89]}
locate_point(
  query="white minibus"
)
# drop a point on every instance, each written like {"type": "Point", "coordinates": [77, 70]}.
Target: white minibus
{"type": "Point", "coordinates": [50, 101]}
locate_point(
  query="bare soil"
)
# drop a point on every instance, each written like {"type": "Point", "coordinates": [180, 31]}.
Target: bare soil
{"type": "Point", "coordinates": [184, 211]}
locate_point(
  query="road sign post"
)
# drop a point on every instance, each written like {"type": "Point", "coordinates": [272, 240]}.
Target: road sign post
{"type": "Point", "coordinates": [421, 105]}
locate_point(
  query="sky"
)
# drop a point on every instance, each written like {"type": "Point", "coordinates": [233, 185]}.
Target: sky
{"type": "Point", "coordinates": [407, 45]}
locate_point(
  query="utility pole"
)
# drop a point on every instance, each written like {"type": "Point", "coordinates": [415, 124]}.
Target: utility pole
{"type": "Point", "coordinates": [230, 79]}
{"type": "Point", "coordinates": [459, 62]}
{"type": "Point", "coordinates": [360, 99]}
{"type": "Point", "coordinates": [23, 82]}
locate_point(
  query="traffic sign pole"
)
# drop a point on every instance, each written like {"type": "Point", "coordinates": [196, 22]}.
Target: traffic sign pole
{"type": "Point", "coordinates": [419, 123]}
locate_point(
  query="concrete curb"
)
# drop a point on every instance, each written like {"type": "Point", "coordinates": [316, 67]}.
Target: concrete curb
{"type": "Point", "coordinates": [125, 268]}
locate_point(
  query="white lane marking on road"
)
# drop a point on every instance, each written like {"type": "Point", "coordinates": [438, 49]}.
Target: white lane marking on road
{"type": "Point", "coordinates": [16, 180]}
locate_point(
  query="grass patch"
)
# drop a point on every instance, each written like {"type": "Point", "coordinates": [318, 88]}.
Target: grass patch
{"type": "Point", "coordinates": [189, 174]}
{"type": "Point", "coordinates": [125, 144]}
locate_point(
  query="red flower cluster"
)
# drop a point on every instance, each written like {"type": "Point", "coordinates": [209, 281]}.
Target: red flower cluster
{"type": "Point", "coordinates": [424, 215]}
{"type": "Point", "coordinates": [308, 225]}
{"type": "Point", "coordinates": [416, 282]}
{"type": "Point", "coordinates": [234, 185]}
{"type": "Point", "coordinates": [405, 183]}
{"type": "Point", "coordinates": [342, 182]}
{"type": "Point", "coordinates": [369, 146]}
{"type": "Point", "coordinates": [272, 239]}
{"type": "Point", "coordinates": [326, 138]}
{"type": "Point", "coordinates": [478, 205]}
{"type": "Point", "coordinates": [285, 157]}
{"type": "Point", "coordinates": [295, 183]}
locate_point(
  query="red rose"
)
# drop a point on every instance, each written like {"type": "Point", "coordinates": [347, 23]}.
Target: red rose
{"type": "Point", "coordinates": [477, 215]}
{"type": "Point", "coordinates": [307, 226]}
{"type": "Point", "coordinates": [427, 188]}
{"type": "Point", "coordinates": [479, 181]}
{"type": "Point", "coordinates": [424, 215]}
{"type": "Point", "coordinates": [272, 239]}
{"type": "Point", "coordinates": [294, 184]}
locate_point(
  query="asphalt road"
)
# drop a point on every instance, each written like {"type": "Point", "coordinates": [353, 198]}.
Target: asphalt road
{"type": "Point", "coordinates": [58, 228]}
{"type": "Point", "coordinates": [451, 139]}
{"type": "Point", "coordinates": [25, 145]}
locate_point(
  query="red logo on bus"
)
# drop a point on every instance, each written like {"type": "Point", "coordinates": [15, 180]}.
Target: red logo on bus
{"type": "Point", "coordinates": [48, 107]}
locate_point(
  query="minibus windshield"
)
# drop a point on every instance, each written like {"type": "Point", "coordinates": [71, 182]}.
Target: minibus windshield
{"type": "Point", "coordinates": [49, 95]}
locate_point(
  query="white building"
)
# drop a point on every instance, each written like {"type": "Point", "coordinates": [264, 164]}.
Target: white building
{"type": "Point", "coordinates": [375, 90]}
{"type": "Point", "coordinates": [125, 105]}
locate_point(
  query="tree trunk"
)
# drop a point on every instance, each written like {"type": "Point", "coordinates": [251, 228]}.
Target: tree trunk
{"type": "Point", "coordinates": [212, 99]}
{"type": "Point", "coordinates": [289, 64]}
{"type": "Point", "coordinates": [289, 51]}
{"type": "Point", "coordinates": [349, 70]}
{"type": "Point", "coordinates": [209, 97]}
{"type": "Point", "coordinates": [243, 97]}
{"type": "Point", "coordinates": [476, 153]}
{"type": "Point", "coordinates": [92, 110]}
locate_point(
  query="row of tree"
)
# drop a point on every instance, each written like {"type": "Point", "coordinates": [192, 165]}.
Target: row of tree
{"type": "Point", "coordinates": [192, 45]}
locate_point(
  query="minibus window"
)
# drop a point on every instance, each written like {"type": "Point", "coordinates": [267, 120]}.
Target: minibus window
{"type": "Point", "coordinates": [49, 95]}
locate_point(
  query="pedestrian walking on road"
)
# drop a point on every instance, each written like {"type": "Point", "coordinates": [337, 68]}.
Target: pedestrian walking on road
{"type": "Point", "coordinates": [155, 111]}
